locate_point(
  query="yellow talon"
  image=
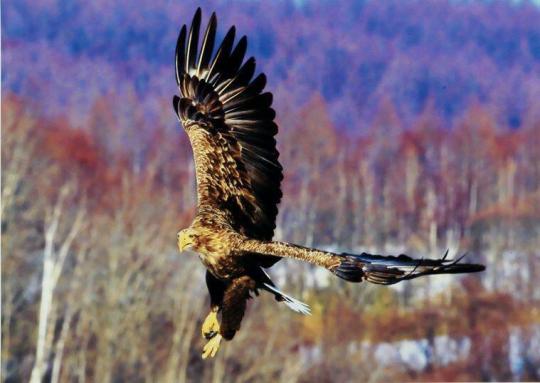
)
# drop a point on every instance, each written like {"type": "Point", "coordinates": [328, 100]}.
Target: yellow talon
{"type": "Point", "coordinates": [211, 348]}
{"type": "Point", "coordinates": [210, 326]}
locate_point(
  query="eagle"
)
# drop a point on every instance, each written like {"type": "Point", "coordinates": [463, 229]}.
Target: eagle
{"type": "Point", "coordinates": [229, 120]}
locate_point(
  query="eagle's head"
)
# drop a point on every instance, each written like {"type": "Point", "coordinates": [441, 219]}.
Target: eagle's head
{"type": "Point", "coordinates": [185, 239]}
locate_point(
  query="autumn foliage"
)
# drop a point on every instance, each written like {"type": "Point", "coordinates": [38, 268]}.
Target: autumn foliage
{"type": "Point", "coordinates": [124, 287]}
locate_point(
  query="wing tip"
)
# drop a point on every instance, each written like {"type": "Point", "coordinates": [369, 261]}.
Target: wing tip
{"type": "Point", "coordinates": [198, 15]}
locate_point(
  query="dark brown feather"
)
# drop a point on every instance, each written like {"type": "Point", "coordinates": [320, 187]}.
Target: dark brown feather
{"type": "Point", "coordinates": [207, 45]}
{"type": "Point", "coordinates": [193, 41]}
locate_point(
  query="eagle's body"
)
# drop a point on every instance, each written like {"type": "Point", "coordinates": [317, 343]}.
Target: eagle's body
{"type": "Point", "coordinates": [229, 121]}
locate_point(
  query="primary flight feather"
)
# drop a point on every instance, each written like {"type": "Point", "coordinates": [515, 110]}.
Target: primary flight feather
{"type": "Point", "coordinates": [229, 121]}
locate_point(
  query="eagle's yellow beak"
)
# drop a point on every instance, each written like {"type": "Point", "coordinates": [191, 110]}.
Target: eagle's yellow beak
{"type": "Point", "coordinates": [184, 240]}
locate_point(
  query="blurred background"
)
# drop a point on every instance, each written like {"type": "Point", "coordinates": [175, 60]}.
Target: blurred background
{"type": "Point", "coordinates": [405, 126]}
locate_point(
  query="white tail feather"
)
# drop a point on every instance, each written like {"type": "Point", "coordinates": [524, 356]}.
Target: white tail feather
{"type": "Point", "coordinates": [292, 303]}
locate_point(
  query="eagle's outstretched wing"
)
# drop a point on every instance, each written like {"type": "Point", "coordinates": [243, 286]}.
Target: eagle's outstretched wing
{"type": "Point", "coordinates": [230, 124]}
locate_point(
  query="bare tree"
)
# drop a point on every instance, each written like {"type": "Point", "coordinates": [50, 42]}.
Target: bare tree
{"type": "Point", "coordinates": [54, 255]}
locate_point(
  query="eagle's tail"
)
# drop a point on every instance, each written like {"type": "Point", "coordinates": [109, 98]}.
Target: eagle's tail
{"type": "Point", "coordinates": [292, 303]}
{"type": "Point", "coordinates": [387, 270]}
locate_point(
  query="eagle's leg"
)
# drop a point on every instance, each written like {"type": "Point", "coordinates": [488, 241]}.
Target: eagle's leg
{"type": "Point", "coordinates": [210, 326]}
{"type": "Point", "coordinates": [232, 311]}
{"type": "Point", "coordinates": [234, 305]}
{"type": "Point", "coordinates": [216, 288]}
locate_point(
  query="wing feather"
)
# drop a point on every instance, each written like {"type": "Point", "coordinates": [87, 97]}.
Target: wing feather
{"type": "Point", "coordinates": [207, 45]}
{"type": "Point", "coordinates": [193, 41]}
{"type": "Point", "coordinates": [230, 124]}
{"type": "Point", "coordinates": [179, 55]}
{"type": "Point", "coordinates": [222, 56]}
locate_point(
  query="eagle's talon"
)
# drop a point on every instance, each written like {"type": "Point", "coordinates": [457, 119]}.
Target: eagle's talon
{"type": "Point", "coordinates": [210, 326]}
{"type": "Point", "coordinates": [211, 348]}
